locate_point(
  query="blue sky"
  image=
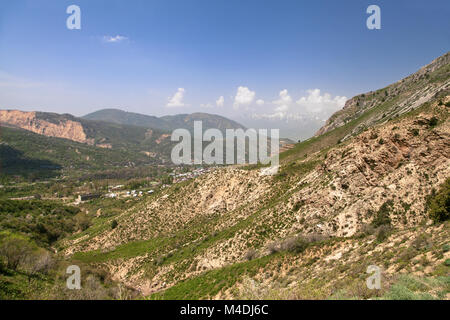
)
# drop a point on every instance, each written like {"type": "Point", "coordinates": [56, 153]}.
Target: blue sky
{"type": "Point", "coordinates": [275, 51]}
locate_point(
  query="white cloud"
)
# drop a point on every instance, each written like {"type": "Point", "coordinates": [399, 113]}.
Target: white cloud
{"type": "Point", "coordinates": [278, 116]}
{"type": "Point", "coordinates": [282, 107]}
{"type": "Point", "coordinates": [112, 39]}
{"type": "Point", "coordinates": [283, 104]}
{"type": "Point", "coordinates": [220, 102]}
{"type": "Point", "coordinates": [316, 103]}
{"type": "Point", "coordinates": [206, 105]}
{"type": "Point", "coordinates": [244, 96]}
{"type": "Point", "coordinates": [260, 102]}
{"type": "Point", "coordinates": [177, 99]}
{"type": "Point", "coordinates": [313, 105]}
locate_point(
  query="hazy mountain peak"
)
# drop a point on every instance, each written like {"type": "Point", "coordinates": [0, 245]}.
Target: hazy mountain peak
{"type": "Point", "coordinates": [169, 122]}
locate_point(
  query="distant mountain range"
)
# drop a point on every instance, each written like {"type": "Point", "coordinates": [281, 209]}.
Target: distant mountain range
{"type": "Point", "coordinates": [95, 133]}
{"type": "Point", "coordinates": [166, 123]}
{"type": "Point", "coordinates": [43, 141]}
{"type": "Point", "coordinates": [112, 128]}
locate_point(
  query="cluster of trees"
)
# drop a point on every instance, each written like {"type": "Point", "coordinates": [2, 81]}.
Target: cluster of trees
{"type": "Point", "coordinates": [18, 252]}
{"type": "Point", "coordinates": [167, 180]}
{"type": "Point", "coordinates": [125, 173]}
{"type": "Point", "coordinates": [439, 203]}
{"type": "Point", "coordinates": [43, 221]}
{"type": "Point", "coordinates": [35, 157]}
{"type": "Point", "coordinates": [20, 256]}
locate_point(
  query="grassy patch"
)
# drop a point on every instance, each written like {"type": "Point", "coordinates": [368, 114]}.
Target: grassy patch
{"type": "Point", "coordinates": [127, 250]}
{"type": "Point", "coordinates": [211, 282]}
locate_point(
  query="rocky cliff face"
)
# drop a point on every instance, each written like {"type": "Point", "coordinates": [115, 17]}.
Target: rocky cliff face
{"type": "Point", "coordinates": [67, 129]}
{"type": "Point", "coordinates": [395, 164]}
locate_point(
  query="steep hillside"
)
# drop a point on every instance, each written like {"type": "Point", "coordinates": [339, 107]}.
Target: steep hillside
{"type": "Point", "coordinates": [51, 125]}
{"type": "Point", "coordinates": [308, 232]}
{"type": "Point", "coordinates": [168, 123]}
{"type": "Point", "coordinates": [393, 100]}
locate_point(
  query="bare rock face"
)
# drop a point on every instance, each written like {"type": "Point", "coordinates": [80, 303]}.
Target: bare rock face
{"type": "Point", "coordinates": [213, 195]}
{"type": "Point", "coordinates": [161, 138]}
{"type": "Point", "coordinates": [397, 164]}
{"type": "Point", "coordinates": [67, 129]}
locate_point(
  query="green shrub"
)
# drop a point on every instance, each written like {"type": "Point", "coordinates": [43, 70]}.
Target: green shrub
{"type": "Point", "coordinates": [114, 224]}
{"type": "Point", "coordinates": [382, 215]}
{"type": "Point", "coordinates": [383, 232]}
{"type": "Point", "coordinates": [273, 248]}
{"type": "Point", "coordinates": [14, 249]}
{"type": "Point", "coordinates": [415, 288]}
{"type": "Point", "coordinates": [422, 242]}
{"type": "Point", "coordinates": [250, 255]}
{"type": "Point", "coordinates": [298, 244]}
{"type": "Point", "coordinates": [43, 221]}
{"type": "Point", "coordinates": [83, 221]}
{"type": "Point", "coordinates": [298, 205]}
{"type": "Point", "coordinates": [294, 244]}
{"type": "Point", "coordinates": [439, 203]}
{"type": "Point", "coordinates": [433, 122]}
